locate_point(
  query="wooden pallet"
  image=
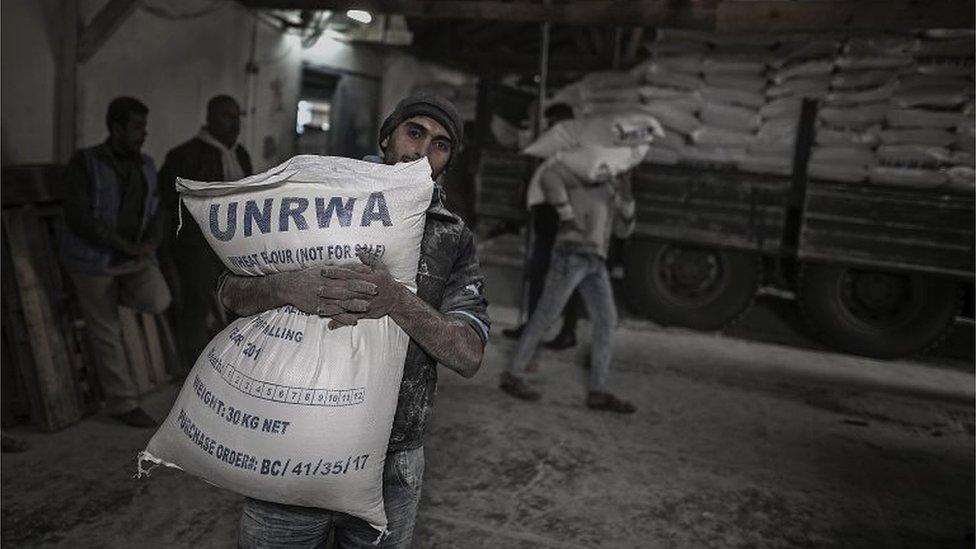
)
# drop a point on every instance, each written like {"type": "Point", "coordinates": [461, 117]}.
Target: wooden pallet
{"type": "Point", "coordinates": [48, 370]}
{"type": "Point", "coordinates": [48, 376]}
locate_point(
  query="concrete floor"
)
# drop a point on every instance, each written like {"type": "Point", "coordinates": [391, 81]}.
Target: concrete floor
{"type": "Point", "coordinates": [739, 442]}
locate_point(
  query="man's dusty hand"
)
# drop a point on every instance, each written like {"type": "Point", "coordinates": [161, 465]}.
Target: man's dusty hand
{"type": "Point", "coordinates": [314, 291]}
{"type": "Point", "coordinates": [367, 290]}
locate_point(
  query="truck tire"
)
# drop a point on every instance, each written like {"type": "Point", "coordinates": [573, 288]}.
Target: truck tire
{"type": "Point", "coordinates": [875, 313]}
{"type": "Point", "coordinates": [698, 287]}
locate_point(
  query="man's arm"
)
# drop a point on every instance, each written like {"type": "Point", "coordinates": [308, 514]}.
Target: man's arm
{"type": "Point", "coordinates": [308, 290]}
{"type": "Point", "coordinates": [450, 340]}
{"type": "Point", "coordinates": [554, 188]}
{"type": "Point", "coordinates": [347, 294]}
{"type": "Point", "coordinates": [155, 230]}
{"type": "Point", "coordinates": [625, 207]}
{"type": "Point", "coordinates": [456, 335]}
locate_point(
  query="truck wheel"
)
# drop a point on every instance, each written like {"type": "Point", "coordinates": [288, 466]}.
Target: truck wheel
{"type": "Point", "coordinates": [695, 286]}
{"type": "Point", "coordinates": [876, 313]}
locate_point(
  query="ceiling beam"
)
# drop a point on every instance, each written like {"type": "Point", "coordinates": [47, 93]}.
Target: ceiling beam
{"type": "Point", "coordinates": [842, 15]}
{"type": "Point", "coordinates": [579, 12]}
{"type": "Point", "coordinates": [102, 26]}
{"type": "Point", "coordinates": [518, 63]}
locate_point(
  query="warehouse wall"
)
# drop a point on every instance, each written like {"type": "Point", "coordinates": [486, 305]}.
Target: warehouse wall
{"type": "Point", "coordinates": [26, 81]}
{"type": "Point", "coordinates": [174, 66]}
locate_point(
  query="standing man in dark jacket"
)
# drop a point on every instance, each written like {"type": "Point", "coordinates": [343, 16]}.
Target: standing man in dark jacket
{"type": "Point", "coordinates": [108, 249]}
{"type": "Point", "coordinates": [192, 267]}
{"type": "Point", "coordinates": [446, 320]}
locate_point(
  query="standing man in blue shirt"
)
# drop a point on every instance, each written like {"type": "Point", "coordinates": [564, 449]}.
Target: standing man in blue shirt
{"type": "Point", "coordinates": [111, 210]}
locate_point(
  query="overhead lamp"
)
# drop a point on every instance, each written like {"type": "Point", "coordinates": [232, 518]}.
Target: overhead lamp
{"type": "Point", "coordinates": [361, 16]}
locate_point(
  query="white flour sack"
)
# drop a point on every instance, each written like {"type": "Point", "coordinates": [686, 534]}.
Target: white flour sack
{"type": "Point", "coordinates": [595, 163]}
{"type": "Point", "coordinates": [612, 130]}
{"type": "Point", "coordinates": [278, 407]}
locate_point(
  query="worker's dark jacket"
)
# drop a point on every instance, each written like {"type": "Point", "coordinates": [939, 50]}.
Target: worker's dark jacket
{"type": "Point", "coordinates": [449, 279]}
{"type": "Point", "coordinates": [195, 160]}
{"type": "Point", "coordinates": [189, 250]}
{"type": "Point", "coordinates": [110, 199]}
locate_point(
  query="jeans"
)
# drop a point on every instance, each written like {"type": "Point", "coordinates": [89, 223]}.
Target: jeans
{"type": "Point", "coordinates": [99, 297]}
{"type": "Point", "coordinates": [274, 525]}
{"type": "Point", "coordinates": [570, 271]}
{"type": "Point", "coordinates": [545, 222]}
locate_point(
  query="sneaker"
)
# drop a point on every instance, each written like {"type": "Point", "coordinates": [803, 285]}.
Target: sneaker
{"type": "Point", "coordinates": [513, 333]}
{"type": "Point", "coordinates": [609, 402]}
{"type": "Point", "coordinates": [518, 388]}
{"type": "Point", "coordinates": [137, 417]}
{"type": "Point", "coordinates": [564, 340]}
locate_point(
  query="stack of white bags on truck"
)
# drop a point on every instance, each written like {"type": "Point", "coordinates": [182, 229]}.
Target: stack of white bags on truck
{"type": "Point", "coordinates": [893, 109]}
{"type": "Point", "coordinates": [899, 112]}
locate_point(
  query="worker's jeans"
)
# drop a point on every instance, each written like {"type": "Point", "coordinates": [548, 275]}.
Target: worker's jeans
{"type": "Point", "coordinates": [99, 297]}
{"type": "Point", "coordinates": [569, 271]}
{"type": "Point", "coordinates": [274, 525]}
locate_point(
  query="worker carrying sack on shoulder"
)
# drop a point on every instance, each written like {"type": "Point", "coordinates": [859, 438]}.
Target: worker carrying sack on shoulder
{"type": "Point", "coordinates": [278, 407]}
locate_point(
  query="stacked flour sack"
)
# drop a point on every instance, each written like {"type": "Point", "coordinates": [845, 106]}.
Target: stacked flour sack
{"type": "Point", "coordinates": [733, 74]}
{"type": "Point", "coordinates": [279, 407]}
{"type": "Point", "coordinates": [669, 98]}
{"type": "Point", "coordinates": [899, 112]}
{"type": "Point", "coordinates": [850, 118]}
{"type": "Point", "coordinates": [710, 93]}
{"type": "Point", "coordinates": [800, 68]}
{"type": "Point", "coordinates": [598, 147]}
{"type": "Point", "coordinates": [927, 141]}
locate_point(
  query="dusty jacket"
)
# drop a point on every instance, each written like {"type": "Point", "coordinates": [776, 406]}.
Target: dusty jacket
{"type": "Point", "coordinates": [597, 209]}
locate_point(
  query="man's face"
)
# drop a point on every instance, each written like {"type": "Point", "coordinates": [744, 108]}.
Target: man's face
{"type": "Point", "coordinates": [129, 137]}
{"type": "Point", "coordinates": [416, 138]}
{"type": "Point", "coordinates": [225, 123]}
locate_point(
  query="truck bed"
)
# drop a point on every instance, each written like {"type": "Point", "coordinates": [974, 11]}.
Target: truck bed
{"type": "Point", "coordinates": [890, 228]}
{"type": "Point", "coordinates": [719, 207]}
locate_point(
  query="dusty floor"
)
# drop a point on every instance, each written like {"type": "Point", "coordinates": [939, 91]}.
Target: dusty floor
{"type": "Point", "coordinates": [740, 441]}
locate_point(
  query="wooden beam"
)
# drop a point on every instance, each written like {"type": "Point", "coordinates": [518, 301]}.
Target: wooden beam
{"type": "Point", "coordinates": [57, 402]}
{"type": "Point", "coordinates": [581, 41]}
{"type": "Point", "coordinates": [616, 48]}
{"type": "Point", "coordinates": [578, 12]}
{"type": "Point", "coordinates": [633, 45]}
{"type": "Point", "coordinates": [103, 26]}
{"type": "Point", "coordinates": [517, 63]}
{"type": "Point", "coordinates": [597, 41]}
{"type": "Point", "coordinates": [67, 82]}
{"type": "Point", "coordinates": [842, 15]}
